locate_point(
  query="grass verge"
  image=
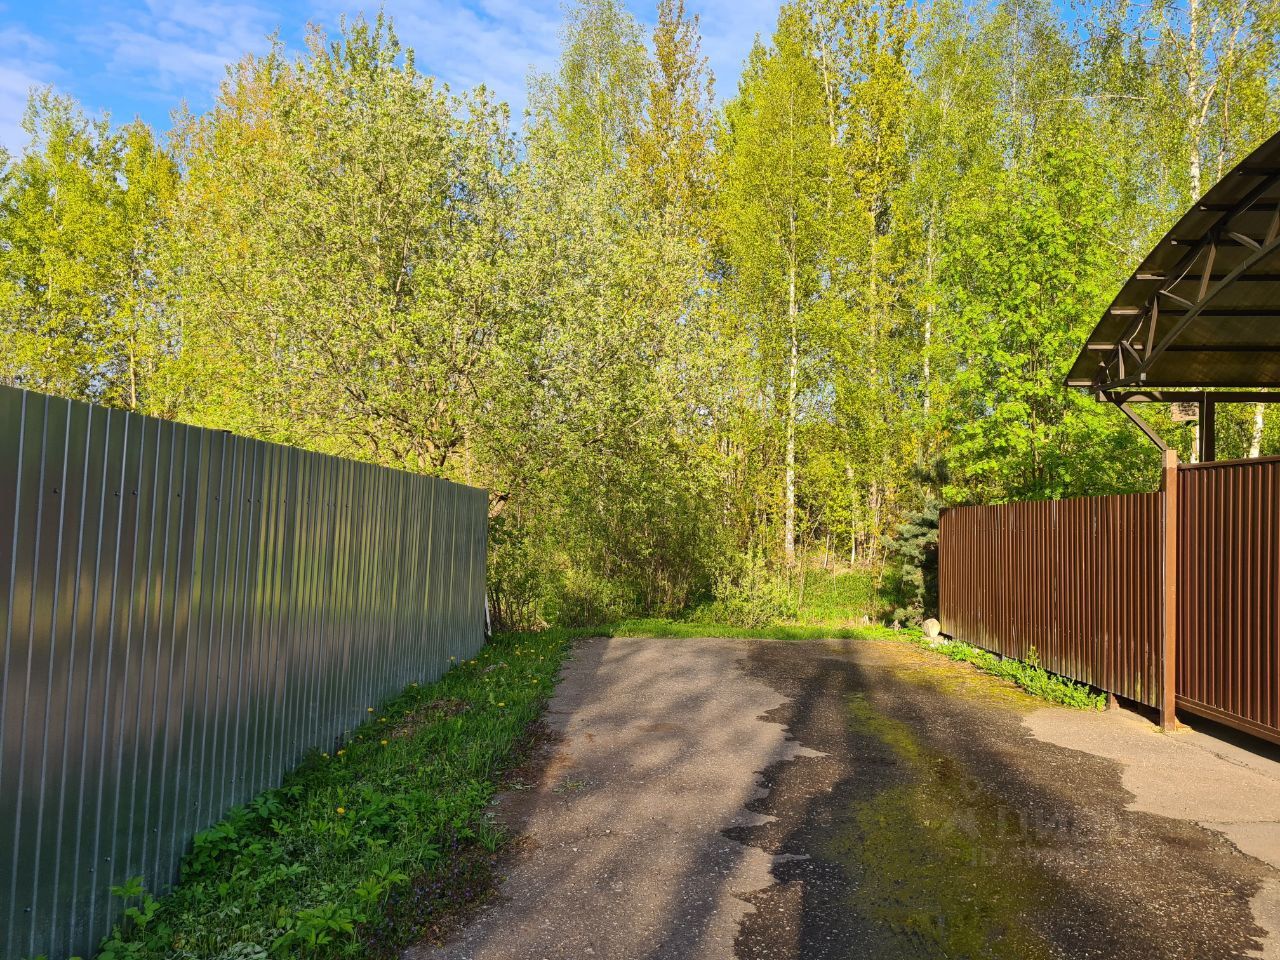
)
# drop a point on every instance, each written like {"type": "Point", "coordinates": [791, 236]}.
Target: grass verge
{"type": "Point", "coordinates": [368, 848]}
{"type": "Point", "coordinates": [1028, 675]}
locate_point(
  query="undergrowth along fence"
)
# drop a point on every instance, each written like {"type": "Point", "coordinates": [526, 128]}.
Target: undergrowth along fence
{"type": "Point", "coordinates": [186, 612]}
{"type": "Point", "coordinates": [1169, 598]}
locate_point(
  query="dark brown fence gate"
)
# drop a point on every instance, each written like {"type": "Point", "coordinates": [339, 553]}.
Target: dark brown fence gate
{"type": "Point", "coordinates": [1083, 582]}
{"type": "Point", "coordinates": [1228, 590]}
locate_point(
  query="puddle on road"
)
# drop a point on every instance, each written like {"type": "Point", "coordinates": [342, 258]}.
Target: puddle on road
{"type": "Point", "coordinates": [940, 860]}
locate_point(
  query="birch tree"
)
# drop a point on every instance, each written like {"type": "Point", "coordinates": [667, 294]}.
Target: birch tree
{"type": "Point", "coordinates": [776, 163]}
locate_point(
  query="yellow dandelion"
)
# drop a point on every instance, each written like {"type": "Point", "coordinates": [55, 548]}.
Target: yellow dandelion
{"type": "Point", "coordinates": [384, 743]}
{"type": "Point", "coordinates": [342, 811]}
{"type": "Point", "coordinates": [370, 709]}
{"type": "Point", "coordinates": [341, 752]}
{"type": "Point", "coordinates": [502, 704]}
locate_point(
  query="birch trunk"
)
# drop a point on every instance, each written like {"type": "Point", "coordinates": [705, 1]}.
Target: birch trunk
{"type": "Point", "coordinates": [793, 375]}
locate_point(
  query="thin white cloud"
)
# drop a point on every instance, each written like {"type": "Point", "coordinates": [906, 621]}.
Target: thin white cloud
{"type": "Point", "coordinates": [177, 47]}
{"type": "Point", "coordinates": [24, 63]}
{"type": "Point", "coordinates": [494, 42]}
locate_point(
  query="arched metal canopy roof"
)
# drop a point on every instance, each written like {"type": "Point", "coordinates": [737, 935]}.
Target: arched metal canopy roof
{"type": "Point", "coordinates": [1203, 309]}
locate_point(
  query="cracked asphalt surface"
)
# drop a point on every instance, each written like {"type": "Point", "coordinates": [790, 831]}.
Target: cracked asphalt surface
{"type": "Point", "coordinates": [759, 799]}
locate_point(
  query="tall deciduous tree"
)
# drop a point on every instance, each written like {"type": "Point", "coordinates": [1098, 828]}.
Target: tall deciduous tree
{"type": "Point", "coordinates": [776, 173]}
{"type": "Point", "coordinates": [83, 243]}
{"type": "Point", "coordinates": [343, 223]}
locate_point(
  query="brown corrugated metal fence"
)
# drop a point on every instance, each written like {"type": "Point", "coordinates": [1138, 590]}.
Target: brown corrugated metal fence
{"type": "Point", "coordinates": [1229, 593]}
{"type": "Point", "coordinates": [1082, 581]}
{"type": "Point", "coordinates": [1077, 580]}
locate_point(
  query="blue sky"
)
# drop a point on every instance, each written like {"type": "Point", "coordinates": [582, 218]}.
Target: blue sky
{"type": "Point", "coordinates": [143, 57]}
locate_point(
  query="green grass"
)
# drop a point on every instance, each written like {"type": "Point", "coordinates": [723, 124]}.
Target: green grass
{"type": "Point", "coordinates": [1031, 677]}
{"type": "Point", "coordinates": [841, 599]}
{"type": "Point", "coordinates": [363, 850]}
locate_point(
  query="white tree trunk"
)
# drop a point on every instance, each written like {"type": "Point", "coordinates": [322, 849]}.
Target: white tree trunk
{"type": "Point", "coordinates": [853, 511]}
{"type": "Point", "coordinates": [1255, 440]}
{"type": "Point", "coordinates": [789, 533]}
{"type": "Point", "coordinates": [928, 314]}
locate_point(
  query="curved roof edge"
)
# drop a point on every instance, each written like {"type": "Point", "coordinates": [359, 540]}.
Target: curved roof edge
{"type": "Point", "coordinates": [1202, 310]}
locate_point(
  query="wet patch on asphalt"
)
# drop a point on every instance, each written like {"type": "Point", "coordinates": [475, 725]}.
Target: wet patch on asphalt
{"type": "Point", "coordinates": [935, 825]}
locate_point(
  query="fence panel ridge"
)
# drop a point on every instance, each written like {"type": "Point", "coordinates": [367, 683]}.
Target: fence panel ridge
{"type": "Point", "coordinates": [185, 614]}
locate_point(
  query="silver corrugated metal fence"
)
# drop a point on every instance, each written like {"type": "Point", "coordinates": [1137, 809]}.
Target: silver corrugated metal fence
{"type": "Point", "coordinates": [185, 612]}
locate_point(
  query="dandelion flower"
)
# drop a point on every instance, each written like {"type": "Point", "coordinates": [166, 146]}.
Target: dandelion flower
{"type": "Point", "coordinates": [502, 704]}
{"type": "Point", "coordinates": [342, 811]}
{"type": "Point", "coordinates": [384, 743]}
{"type": "Point", "coordinates": [370, 709]}
{"type": "Point", "coordinates": [341, 752]}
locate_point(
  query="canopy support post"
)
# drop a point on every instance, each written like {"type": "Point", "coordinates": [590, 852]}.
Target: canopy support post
{"type": "Point", "coordinates": [1169, 592]}
{"type": "Point", "coordinates": [1208, 429]}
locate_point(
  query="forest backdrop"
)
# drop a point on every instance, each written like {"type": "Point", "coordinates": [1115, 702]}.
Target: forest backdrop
{"type": "Point", "coordinates": [690, 345]}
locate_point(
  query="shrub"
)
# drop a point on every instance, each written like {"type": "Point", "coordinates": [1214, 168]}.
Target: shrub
{"type": "Point", "coordinates": [748, 593]}
{"type": "Point", "coordinates": [912, 554]}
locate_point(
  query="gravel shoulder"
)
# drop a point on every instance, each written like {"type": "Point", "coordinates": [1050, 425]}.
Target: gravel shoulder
{"type": "Point", "coordinates": [757, 799]}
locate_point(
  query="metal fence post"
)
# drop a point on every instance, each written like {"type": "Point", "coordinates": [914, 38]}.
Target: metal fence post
{"type": "Point", "coordinates": [1169, 591]}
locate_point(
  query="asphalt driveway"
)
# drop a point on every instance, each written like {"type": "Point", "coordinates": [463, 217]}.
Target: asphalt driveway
{"type": "Point", "coordinates": [715, 798]}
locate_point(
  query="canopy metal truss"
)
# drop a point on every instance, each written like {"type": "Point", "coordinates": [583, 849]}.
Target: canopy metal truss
{"type": "Point", "coordinates": [1202, 311]}
{"type": "Point", "coordinates": [1205, 400]}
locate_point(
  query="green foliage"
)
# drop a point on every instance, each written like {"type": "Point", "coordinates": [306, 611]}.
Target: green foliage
{"type": "Point", "coordinates": [841, 597]}
{"type": "Point", "coordinates": [363, 847]}
{"type": "Point", "coordinates": [749, 593]}
{"type": "Point", "coordinates": [686, 349]}
{"type": "Point", "coordinates": [83, 258]}
{"type": "Point", "coordinates": [912, 557]}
